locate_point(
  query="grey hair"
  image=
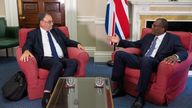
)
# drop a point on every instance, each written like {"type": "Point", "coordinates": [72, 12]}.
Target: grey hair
{"type": "Point", "coordinates": [41, 16]}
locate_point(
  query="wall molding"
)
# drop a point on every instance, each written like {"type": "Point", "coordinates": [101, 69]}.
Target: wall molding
{"type": "Point", "coordinates": [85, 19]}
{"type": "Point", "coordinates": [100, 21]}
{"type": "Point", "coordinates": [91, 19]}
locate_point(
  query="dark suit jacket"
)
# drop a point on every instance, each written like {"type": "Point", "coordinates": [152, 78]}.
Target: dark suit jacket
{"type": "Point", "coordinates": [34, 43]}
{"type": "Point", "coordinates": [170, 45]}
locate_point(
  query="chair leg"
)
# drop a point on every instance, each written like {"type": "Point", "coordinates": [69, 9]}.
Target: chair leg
{"type": "Point", "coordinates": [7, 52]}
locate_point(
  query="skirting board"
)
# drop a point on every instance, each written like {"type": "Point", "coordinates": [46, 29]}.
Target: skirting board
{"type": "Point", "coordinates": [11, 51]}
{"type": "Point", "coordinates": [99, 56]}
{"type": "Point", "coordinates": [102, 56]}
{"type": "Point", "coordinates": [190, 73]}
{"type": "Point", "coordinates": [90, 51]}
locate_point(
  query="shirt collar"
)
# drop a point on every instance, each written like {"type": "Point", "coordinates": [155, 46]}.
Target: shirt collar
{"type": "Point", "coordinates": [43, 31]}
{"type": "Point", "coordinates": [161, 36]}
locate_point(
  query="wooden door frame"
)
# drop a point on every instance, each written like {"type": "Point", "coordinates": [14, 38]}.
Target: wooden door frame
{"type": "Point", "coordinates": [70, 5]}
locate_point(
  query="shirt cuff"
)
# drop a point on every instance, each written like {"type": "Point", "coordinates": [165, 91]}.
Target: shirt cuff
{"type": "Point", "coordinates": [178, 59]}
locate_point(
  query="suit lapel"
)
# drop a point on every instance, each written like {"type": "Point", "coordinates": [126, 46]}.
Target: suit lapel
{"type": "Point", "coordinates": [56, 37]}
{"type": "Point", "coordinates": [59, 41]}
{"type": "Point", "coordinates": [39, 36]}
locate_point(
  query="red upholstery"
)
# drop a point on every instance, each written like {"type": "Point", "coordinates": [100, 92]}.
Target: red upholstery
{"type": "Point", "coordinates": [35, 76]}
{"type": "Point", "coordinates": [169, 81]}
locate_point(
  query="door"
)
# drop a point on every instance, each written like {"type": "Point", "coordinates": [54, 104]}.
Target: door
{"type": "Point", "coordinates": [28, 11]}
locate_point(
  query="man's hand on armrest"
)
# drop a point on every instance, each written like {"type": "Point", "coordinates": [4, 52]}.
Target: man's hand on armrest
{"type": "Point", "coordinates": [80, 47]}
{"type": "Point", "coordinates": [172, 59]}
{"type": "Point", "coordinates": [25, 56]}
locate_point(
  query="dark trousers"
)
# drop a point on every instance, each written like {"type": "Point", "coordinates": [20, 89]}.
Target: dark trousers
{"type": "Point", "coordinates": [55, 67]}
{"type": "Point", "coordinates": [147, 65]}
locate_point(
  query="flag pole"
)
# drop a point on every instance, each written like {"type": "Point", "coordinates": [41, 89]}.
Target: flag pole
{"type": "Point", "coordinates": [114, 47]}
{"type": "Point", "coordinates": [110, 62]}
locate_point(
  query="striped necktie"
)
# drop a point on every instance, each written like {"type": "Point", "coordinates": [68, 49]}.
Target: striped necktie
{"type": "Point", "coordinates": [152, 47]}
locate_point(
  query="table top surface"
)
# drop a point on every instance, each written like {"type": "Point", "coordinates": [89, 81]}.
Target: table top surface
{"type": "Point", "coordinates": [81, 92]}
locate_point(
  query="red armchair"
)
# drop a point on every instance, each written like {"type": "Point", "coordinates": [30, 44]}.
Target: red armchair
{"type": "Point", "coordinates": [169, 80]}
{"type": "Point", "coordinates": [35, 76]}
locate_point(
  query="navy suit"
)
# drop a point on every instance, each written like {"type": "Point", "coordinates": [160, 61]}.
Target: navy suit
{"type": "Point", "coordinates": [35, 46]}
{"type": "Point", "coordinates": [170, 45]}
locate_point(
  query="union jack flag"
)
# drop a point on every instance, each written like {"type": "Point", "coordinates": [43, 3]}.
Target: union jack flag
{"type": "Point", "coordinates": [117, 19]}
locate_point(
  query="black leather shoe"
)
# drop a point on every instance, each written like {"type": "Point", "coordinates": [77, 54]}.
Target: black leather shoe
{"type": "Point", "coordinates": [118, 92]}
{"type": "Point", "coordinates": [45, 99]}
{"type": "Point", "coordinates": [139, 102]}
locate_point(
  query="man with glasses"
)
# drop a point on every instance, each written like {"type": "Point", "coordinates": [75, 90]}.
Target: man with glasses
{"type": "Point", "coordinates": [155, 47]}
{"type": "Point", "coordinates": [49, 46]}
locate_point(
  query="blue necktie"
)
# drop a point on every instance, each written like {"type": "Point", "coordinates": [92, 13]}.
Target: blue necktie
{"type": "Point", "coordinates": [53, 49]}
{"type": "Point", "coordinates": [152, 47]}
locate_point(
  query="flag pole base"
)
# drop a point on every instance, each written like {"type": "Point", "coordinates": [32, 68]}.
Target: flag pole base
{"type": "Point", "coordinates": [110, 63]}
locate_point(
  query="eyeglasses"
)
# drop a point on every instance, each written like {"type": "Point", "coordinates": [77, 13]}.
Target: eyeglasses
{"type": "Point", "coordinates": [48, 22]}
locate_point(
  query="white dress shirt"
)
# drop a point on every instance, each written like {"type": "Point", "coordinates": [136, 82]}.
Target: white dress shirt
{"type": "Point", "coordinates": [158, 43]}
{"type": "Point", "coordinates": [46, 45]}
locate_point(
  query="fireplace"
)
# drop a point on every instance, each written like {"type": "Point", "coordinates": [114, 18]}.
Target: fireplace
{"type": "Point", "coordinates": [178, 14]}
{"type": "Point", "coordinates": [175, 25]}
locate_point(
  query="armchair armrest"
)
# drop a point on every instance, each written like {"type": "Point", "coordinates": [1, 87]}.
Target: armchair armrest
{"type": "Point", "coordinates": [128, 50]}
{"type": "Point", "coordinates": [12, 32]}
{"type": "Point", "coordinates": [29, 68]}
{"type": "Point", "coordinates": [82, 58]}
{"type": "Point", "coordinates": [167, 72]}
{"type": "Point", "coordinates": [132, 50]}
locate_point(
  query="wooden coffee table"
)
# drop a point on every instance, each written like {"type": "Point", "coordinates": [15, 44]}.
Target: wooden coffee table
{"type": "Point", "coordinates": [81, 92]}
